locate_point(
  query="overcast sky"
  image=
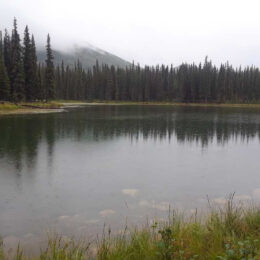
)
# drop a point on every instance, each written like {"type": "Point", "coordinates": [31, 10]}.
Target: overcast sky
{"type": "Point", "coordinates": [147, 31]}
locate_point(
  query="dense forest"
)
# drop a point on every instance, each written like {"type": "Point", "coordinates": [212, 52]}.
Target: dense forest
{"type": "Point", "coordinates": [23, 78]}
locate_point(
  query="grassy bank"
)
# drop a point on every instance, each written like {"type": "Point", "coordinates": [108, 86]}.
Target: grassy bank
{"type": "Point", "coordinates": [7, 108]}
{"type": "Point", "coordinates": [245, 105]}
{"type": "Point", "coordinates": [44, 107]}
{"type": "Point", "coordinates": [231, 232]}
{"type": "Point", "coordinates": [161, 103]}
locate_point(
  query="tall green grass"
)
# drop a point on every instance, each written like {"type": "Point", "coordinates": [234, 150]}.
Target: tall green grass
{"type": "Point", "coordinates": [228, 233]}
{"type": "Point", "coordinates": [42, 105]}
{"type": "Point", "coordinates": [1, 249]}
{"type": "Point", "coordinates": [8, 106]}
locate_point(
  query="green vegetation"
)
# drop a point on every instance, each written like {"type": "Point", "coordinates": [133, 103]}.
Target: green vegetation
{"type": "Point", "coordinates": [49, 72]}
{"type": "Point", "coordinates": [8, 106]}
{"type": "Point", "coordinates": [42, 105]}
{"type": "Point", "coordinates": [164, 103]}
{"type": "Point", "coordinates": [22, 78]}
{"type": "Point", "coordinates": [34, 107]}
{"type": "Point", "coordinates": [28, 107]}
{"type": "Point", "coordinates": [228, 233]}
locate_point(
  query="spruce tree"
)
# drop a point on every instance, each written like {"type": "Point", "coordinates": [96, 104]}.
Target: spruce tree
{"type": "Point", "coordinates": [1, 45]}
{"type": "Point", "coordinates": [17, 74]}
{"type": "Point", "coordinates": [49, 72]}
{"type": "Point", "coordinates": [7, 52]}
{"type": "Point", "coordinates": [40, 83]}
{"type": "Point", "coordinates": [29, 67]}
{"type": "Point", "coordinates": [35, 81]}
{"type": "Point", "coordinates": [4, 80]}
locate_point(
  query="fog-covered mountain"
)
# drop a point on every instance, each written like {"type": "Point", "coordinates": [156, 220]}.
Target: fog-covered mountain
{"type": "Point", "coordinates": [86, 55]}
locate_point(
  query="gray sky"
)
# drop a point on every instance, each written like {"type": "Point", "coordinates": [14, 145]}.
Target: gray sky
{"type": "Point", "coordinates": [147, 31]}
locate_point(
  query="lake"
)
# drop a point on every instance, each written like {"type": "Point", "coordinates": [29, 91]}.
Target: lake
{"type": "Point", "coordinates": [72, 172]}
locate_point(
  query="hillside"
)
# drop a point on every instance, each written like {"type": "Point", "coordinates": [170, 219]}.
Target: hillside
{"type": "Point", "coordinates": [87, 56]}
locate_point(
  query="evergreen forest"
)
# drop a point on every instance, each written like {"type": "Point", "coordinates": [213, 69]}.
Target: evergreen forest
{"type": "Point", "coordinates": [23, 78]}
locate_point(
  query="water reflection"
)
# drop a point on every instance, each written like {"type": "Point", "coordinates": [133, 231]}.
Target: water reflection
{"type": "Point", "coordinates": [74, 171]}
{"type": "Point", "coordinates": [20, 135]}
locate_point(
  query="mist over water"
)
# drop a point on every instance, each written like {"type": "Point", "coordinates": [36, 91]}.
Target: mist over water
{"type": "Point", "coordinates": [73, 171]}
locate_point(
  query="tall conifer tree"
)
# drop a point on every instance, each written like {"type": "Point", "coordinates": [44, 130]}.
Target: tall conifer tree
{"type": "Point", "coordinates": [28, 66]}
{"type": "Point", "coordinates": [49, 72]}
{"type": "Point", "coordinates": [17, 74]}
{"type": "Point", "coordinates": [35, 79]}
{"type": "Point", "coordinates": [4, 80]}
{"type": "Point", "coordinates": [7, 52]}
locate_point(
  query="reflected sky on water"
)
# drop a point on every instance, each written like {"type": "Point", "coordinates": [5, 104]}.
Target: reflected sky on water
{"type": "Point", "coordinates": [73, 171]}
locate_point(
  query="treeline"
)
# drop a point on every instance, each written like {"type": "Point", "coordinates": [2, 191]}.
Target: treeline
{"type": "Point", "coordinates": [23, 78]}
{"type": "Point", "coordinates": [202, 83]}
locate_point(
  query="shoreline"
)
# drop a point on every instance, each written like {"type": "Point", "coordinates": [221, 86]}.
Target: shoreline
{"type": "Point", "coordinates": [8, 108]}
{"type": "Point", "coordinates": [229, 105]}
{"type": "Point", "coordinates": [60, 106]}
{"type": "Point", "coordinates": [29, 111]}
{"type": "Point", "coordinates": [230, 231]}
{"type": "Point", "coordinates": [75, 103]}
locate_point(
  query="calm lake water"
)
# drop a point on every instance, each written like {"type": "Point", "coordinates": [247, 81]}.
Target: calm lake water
{"type": "Point", "coordinates": [74, 171]}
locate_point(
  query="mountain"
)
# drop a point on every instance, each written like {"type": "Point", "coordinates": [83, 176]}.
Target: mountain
{"type": "Point", "coordinates": [86, 55]}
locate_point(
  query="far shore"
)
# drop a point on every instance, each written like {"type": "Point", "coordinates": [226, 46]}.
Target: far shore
{"type": "Point", "coordinates": [161, 103]}
{"type": "Point", "coordinates": [8, 108]}
{"type": "Point", "coordinates": [24, 111]}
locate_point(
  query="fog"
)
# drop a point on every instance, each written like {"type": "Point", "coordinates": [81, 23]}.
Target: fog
{"type": "Point", "coordinates": [147, 31]}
